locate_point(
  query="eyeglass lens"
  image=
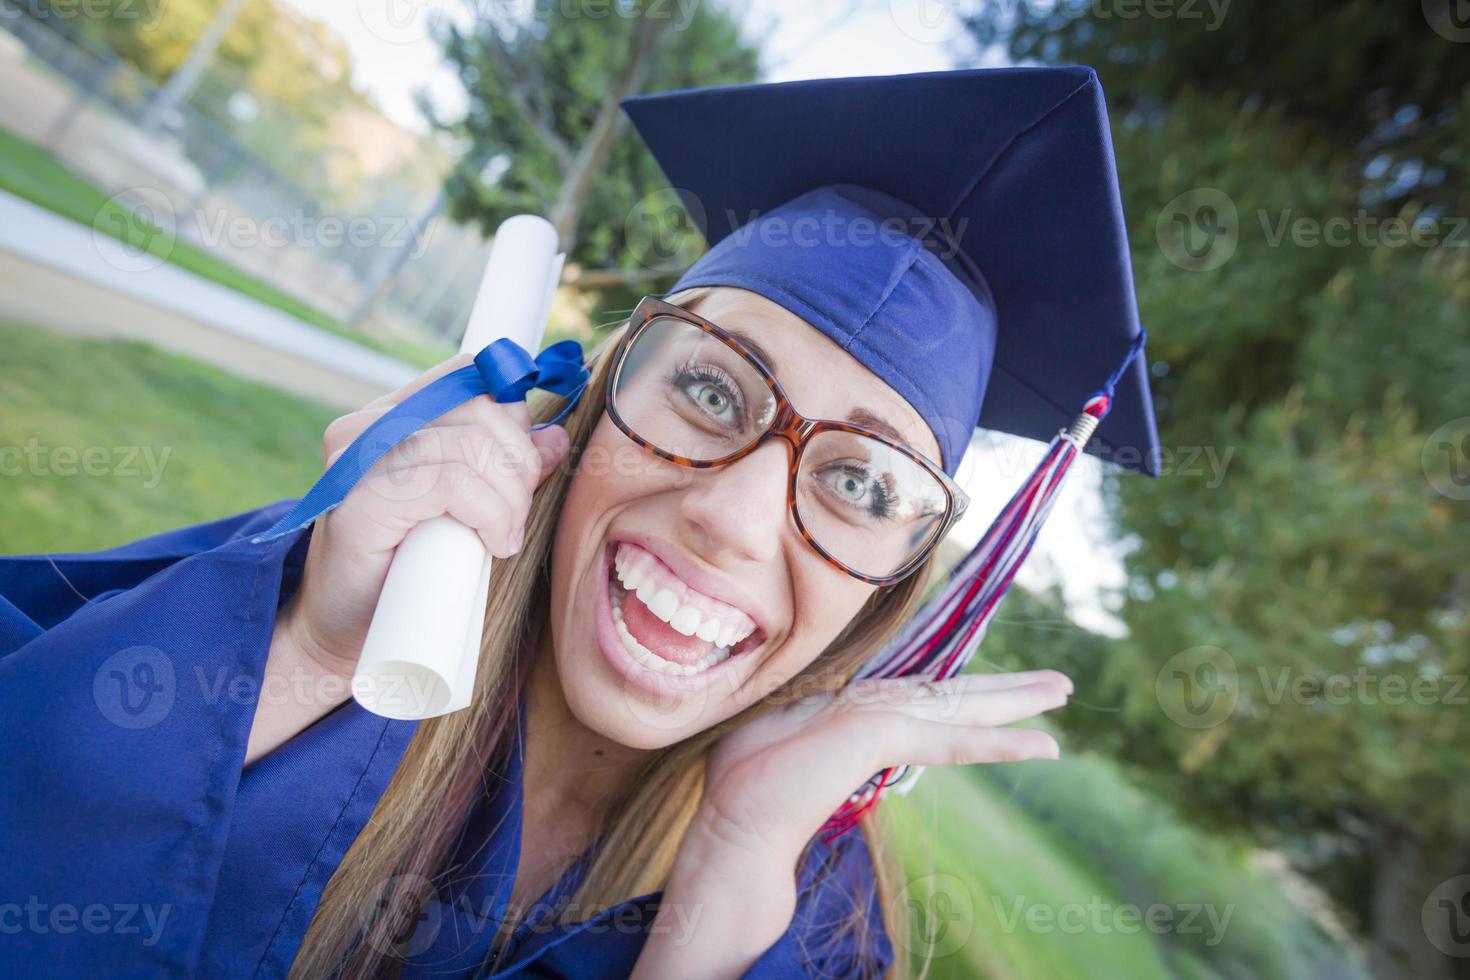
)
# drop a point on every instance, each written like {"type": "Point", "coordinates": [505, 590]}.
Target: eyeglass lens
{"type": "Point", "coordinates": [688, 393]}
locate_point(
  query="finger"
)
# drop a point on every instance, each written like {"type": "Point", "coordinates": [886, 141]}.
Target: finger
{"type": "Point", "coordinates": [918, 687]}
{"type": "Point", "coordinates": [451, 487]}
{"type": "Point", "coordinates": [409, 469]}
{"type": "Point", "coordinates": [552, 444]}
{"type": "Point", "coordinates": [989, 708]}
{"type": "Point", "coordinates": [1000, 682]}
{"type": "Point", "coordinates": [863, 744]}
{"type": "Point", "coordinates": [477, 506]}
{"type": "Point", "coordinates": [936, 743]}
{"type": "Point", "coordinates": [477, 411]}
{"type": "Point", "coordinates": [508, 423]}
{"type": "Point", "coordinates": [341, 432]}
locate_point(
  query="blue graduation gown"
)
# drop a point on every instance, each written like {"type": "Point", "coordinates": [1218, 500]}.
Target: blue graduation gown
{"type": "Point", "coordinates": [135, 842]}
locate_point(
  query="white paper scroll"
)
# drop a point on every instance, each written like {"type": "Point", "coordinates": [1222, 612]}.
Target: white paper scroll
{"type": "Point", "coordinates": [423, 646]}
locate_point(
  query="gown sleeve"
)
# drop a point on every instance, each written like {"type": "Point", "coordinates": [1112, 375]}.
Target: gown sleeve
{"type": "Point", "coordinates": [133, 840]}
{"type": "Point", "coordinates": [834, 882]}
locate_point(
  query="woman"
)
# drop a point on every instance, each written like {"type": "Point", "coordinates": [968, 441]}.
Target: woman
{"type": "Point", "coordinates": [689, 573]}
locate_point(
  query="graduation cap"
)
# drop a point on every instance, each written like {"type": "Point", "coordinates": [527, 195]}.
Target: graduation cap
{"type": "Point", "coordinates": [961, 235]}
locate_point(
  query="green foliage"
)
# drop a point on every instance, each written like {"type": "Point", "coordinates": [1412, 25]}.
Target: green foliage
{"type": "Point", "coordinates": [1379, 78]}
{"type": "Point", "coordinates": [1318, 589]}
{"type": "Point", "coordinates": [541, 84]}
{"type": "Point", "coordinates": [1325, 550]}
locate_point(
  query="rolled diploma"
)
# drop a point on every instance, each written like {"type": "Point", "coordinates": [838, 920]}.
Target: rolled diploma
{"type": "Point", "coordinates": [423, 647]}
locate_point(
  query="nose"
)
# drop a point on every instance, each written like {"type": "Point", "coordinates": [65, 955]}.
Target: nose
{"type": "Point", "coordinates": [739, 510]}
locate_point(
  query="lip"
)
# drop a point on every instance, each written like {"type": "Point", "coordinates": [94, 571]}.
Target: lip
{"type": "Point", "coordinates": [645, 678]}
{"type": "Point", "coordinates": [700, 580]}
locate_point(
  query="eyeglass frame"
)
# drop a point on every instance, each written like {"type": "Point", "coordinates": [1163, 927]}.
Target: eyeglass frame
{"type": "Point", "coordinates": [786, 423]}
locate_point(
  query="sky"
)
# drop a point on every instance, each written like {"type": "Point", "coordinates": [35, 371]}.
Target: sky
{"type": "Point", "coordinates": [394, 59]}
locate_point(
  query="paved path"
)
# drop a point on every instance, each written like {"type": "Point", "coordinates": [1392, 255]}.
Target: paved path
{"type": "Point", "coordinates": [62, 275]}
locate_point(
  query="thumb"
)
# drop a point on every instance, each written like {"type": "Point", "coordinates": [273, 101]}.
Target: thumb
{"type": "Point", "coordinates": [551, 444]}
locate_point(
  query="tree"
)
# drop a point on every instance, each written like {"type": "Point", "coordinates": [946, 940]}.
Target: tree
{"type": "Point", "coordinates": [1386, 82]}
{"type": "Point", "coordinates": [1299, 631]}
{"type": "Point", "coordinates": [545, 134]}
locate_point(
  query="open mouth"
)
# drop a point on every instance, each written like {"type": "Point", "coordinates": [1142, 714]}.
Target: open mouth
{"type": "Point", "coordinates": [666, 625]}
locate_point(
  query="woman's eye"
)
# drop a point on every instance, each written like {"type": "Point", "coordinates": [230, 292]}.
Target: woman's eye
{"type": "Point", "coordinates": [712, 394]}
{"type": "Point", "coordinates": [711, 399]}
{"type": "Point", "coordinates": [855, 486]}
{"type": "Point", "coordinates": [852, 488]}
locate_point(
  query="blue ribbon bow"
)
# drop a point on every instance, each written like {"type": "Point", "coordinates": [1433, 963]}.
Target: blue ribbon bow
{"type": "Point", "coordinates": [504, 370]}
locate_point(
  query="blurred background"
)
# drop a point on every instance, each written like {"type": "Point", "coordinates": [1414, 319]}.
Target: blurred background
{"type": "Point", "coordinates": [223, 222]}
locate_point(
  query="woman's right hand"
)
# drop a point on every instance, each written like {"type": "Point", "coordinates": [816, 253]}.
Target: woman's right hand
{"type": "Point", "coordinates": [478, 463]}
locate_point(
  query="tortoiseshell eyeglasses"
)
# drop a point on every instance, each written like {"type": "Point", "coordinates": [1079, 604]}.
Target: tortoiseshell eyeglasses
{"type": "Point", "coordinates": [691, 393]}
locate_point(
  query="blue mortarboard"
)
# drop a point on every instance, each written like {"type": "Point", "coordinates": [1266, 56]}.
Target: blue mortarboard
{"type": "Point", "coordinates": [960, 233]}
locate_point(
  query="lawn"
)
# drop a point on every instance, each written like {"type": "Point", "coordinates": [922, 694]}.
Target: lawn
{"type": "Point", "coordinates": [30, 172]}
{"type": "Point", "coordinates": [1066, 870]}
{"type": "Point", "coordinates": [105, 441]}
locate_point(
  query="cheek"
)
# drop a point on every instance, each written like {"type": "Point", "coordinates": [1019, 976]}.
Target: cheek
{"type": "Point", "coordinates": [825, 601]}
{"type": "Point", "coordinates": [611, 474]}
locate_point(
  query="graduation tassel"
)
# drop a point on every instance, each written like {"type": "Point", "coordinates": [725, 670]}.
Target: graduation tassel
{"type": "Point", "coordinates": [942, 637]}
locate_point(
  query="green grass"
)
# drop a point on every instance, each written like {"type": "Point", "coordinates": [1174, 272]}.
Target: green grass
{"type": "Point", "coordinates": [168, 441]}
{"type": "Point", "coordinates": [32, 173]}
{"type": "Point", "coordinates": [1038, 868]}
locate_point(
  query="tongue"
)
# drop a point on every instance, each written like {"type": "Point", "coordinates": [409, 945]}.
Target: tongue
{"type": "Point", "coordinates": [659, 637]}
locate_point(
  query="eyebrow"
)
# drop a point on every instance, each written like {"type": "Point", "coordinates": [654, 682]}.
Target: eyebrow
{"type": "Point", "coordinates": [754, 348]}
{"type": "Point", "coordinates": [880, 425]}
{"type": "Point", "coordinates": [858, 416]}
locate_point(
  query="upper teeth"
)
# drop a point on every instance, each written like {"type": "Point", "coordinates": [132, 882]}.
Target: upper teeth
{"type": "Point", "coordinates": [678, 605]}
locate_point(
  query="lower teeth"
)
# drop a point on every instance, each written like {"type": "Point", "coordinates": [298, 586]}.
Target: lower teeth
{"type": "Point", "coordinates": [647, 657]}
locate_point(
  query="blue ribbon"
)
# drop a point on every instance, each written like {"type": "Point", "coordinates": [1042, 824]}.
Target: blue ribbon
{"type": "Point", "coordinates": [504, 370]}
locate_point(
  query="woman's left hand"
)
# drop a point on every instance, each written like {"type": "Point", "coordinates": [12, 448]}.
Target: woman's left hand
{"type": "Point", "coordinates": [772, 783]}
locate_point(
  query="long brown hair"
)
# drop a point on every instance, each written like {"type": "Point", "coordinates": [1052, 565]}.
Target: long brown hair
{"type": "Point", "coordinates": [382, 881]}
